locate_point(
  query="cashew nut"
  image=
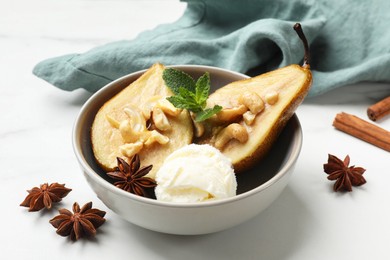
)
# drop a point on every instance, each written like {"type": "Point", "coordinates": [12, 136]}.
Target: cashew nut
{"type": "Point", "coordinates": [272, 97]}
{"type": "Point", "coordinates": [128, 133]}
{"type": "Point", "coordinates": [249, 117]}
{"type": "Point", "coordinates": [231, 114]}
{"type": "Point", "coordinates": [232, 131]}
{"type": "Point", "coordinates": [252, 101]}
{"type": "Point", "coordinates": [148, 106]}
{"type": "Point", "coordinates": [168, 107]}
{"type": "Point", "coordinates": [129, 150]}
{"type": "Point", "coordinates": [154, 136]}
{"type": "Point", "coordinates": [133, 130]}
{"type": "Point", "coordinates": [199, 127]}
{"type": "Point", "coordinates": [137, 121]}
{"type": "Point", "coordinates": [147, 112]}
{"type": "Point", "coordinates": [160, 120]}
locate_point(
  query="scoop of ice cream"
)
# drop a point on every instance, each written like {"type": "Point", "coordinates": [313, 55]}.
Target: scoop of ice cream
{"type": "Point", "coordinates": [195, 173]}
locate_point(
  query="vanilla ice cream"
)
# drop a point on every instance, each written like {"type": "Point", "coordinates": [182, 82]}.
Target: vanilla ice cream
{"type": "Point", "coordinates": [195, 173]}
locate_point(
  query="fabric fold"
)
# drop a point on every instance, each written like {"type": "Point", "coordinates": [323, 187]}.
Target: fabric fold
{"type": "Point", "coordinates": [247, 36]}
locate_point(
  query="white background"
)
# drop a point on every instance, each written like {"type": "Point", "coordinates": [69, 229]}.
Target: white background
{"type": "Point", "coordinates": [308, 220]}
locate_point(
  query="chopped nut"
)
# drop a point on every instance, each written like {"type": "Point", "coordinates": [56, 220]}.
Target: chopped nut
{"type": "Point", "coordinates": [252, 101]}
{"type": "Point", "coordinates": [114, 123]}
{"type": "Point", "coordinates": [215, 131]}
{"type": "Point", "coordinates": [199, 129]}
{"type": "Point", "coordinates": [232, 131]}
{"type": "Point", "coordinates": [129, 150]}
{"type": "Point", "coordinates": [249, 117]}
{"type": "Point", "coordinates": [132, 128]}
{"type": "Point", "coordinates": [168, 107]}
{"type": "Point", "coordinates": [134, 131]}
{"type": "Point", "coordinates": [154, 137]}
{"type": "Point", "coordinates": [129, 135]}
{"type": "Point", "coordinates": [146, 112]}
{"type": "Point", "coordinates": [149, 105]}
{"type": "Point", "coordinates": [272, 97]}
{"type": "Point", "coordinates": [231, 114]}
{"type": "Point", "coordinates": [160, 120]}
{"type": "Point", "coordinates": [198, 126]}
{"type": "Point", "coordinates": [137, 121]}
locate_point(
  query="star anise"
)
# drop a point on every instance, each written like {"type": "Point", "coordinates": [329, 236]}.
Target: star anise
{"type": "Point", "coordinates": [45, 196]}
{"type": "Point", "coordinates": [346, 176]}
{"type": "Point", "coordinates": [81, 223]}
{"type": "Point", "coordinates": [131, 178]}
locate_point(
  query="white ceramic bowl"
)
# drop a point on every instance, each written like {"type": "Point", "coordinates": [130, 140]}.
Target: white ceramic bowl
{"type": "Point", "coordinates": [257, 189]}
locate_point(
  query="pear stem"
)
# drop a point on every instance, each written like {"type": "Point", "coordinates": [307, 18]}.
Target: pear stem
{"type": "Point", "coordinates": [306, 57]}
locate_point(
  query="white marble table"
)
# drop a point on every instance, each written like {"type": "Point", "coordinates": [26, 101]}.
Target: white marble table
{"type": "Point", "coordinates": [308, 220]}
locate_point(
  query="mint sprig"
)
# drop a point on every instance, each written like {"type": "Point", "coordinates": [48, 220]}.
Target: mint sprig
{"type": "Point", "coordinates": [190, 94]}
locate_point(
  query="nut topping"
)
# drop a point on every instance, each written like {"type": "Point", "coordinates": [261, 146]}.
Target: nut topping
{"type": "Point", "coordinates": [161, 103]}
{"type": "Point", "coordinates": [128, 133]}
{"type": "Point", "coordinates": [232, 131]}
{"type": "Point", "coordinates": [134, 131]}
{"type": "Point", "coordinates": [272, 97]}
{"type": "Point", "coordinates": [252, 101]}
{"type": "Point", "coordinates": [249, 117]}
{"type": "Point", "coordinates": [167, 107]}
{"type": "Point", "coordinates": [129, 150]}
{"type": "Point", "coordinates": [199, 128]}
{"type": "Point", "coordinates": [160, 120]}
{"type": "Point", "coordinates": [156, 137]}
{"type": "Point", "coordinates": [137, 121]}
{"type": "Point", "coordinates": [231, 114]}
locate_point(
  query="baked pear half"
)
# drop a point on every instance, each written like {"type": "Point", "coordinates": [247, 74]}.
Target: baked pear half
{"type": "Point", "coordinates": [255, 111]}
{"type": "Point", "coordinates": [140, 120]}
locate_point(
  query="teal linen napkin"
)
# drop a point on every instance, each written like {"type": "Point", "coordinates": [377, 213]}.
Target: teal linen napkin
{"type": "Point", "coordinates": [349, 40]}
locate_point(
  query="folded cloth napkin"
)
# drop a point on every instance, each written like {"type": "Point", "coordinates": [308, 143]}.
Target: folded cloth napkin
{"type": "Point", "coordinates": [350, 42]}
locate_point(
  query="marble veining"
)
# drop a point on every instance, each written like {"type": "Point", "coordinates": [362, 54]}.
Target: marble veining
{"type": "Point", "coordinates": [308, 221]}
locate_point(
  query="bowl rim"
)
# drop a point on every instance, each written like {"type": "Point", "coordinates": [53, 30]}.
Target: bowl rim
{"type": "Point", "coordinates": [295, 151]}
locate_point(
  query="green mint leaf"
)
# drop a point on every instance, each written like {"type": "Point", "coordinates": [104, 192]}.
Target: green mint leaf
{"type": "Point", "coordinates": [175, 79]}
{"type": "Point", "coordinates": [178, 101]}
{"type": "Point", "coordinates": [202, 89]}
{"type": "Point", "coordinates": [207, 113]}
{"type": "Point", "coordinates": [183, 103]}
{"type": "Point", "coordinates": [190, 99]}
{"type": "Point", "coordinates": [189, 94]}
{"type": "Point", "coordinates": [186, 94]}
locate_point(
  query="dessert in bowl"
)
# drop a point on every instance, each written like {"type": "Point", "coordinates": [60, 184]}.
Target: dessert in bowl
{"type": "Point", "coordinates": [209, 162]}
{"type": "Point", "coordinates": [258, 185]}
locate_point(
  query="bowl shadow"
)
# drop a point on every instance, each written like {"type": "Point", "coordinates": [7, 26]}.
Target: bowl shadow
{"type": "Point", "coordinates": [274, 234]}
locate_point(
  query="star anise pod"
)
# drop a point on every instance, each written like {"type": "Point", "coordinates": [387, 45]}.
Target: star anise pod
{"type": "Point", "coordinates": [131, 178]}
{"type": "Point", "coordinates": [81, 223]}
{"type": "Point", "coordinates": [346, 176]}
{"type": "Point", "coordinates": [45, 196]}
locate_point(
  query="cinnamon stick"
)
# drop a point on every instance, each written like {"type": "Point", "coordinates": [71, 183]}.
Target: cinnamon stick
{"type": "Point", "coordinates": [379, 109]}
{"type": "Point", "coordinates": [363, 130]}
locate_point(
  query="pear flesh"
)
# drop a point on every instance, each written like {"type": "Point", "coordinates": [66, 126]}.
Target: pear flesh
{"type": "Point", "coordinates": [281, 91]}
{"type": "Point", "coordinates": [111, 132]}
